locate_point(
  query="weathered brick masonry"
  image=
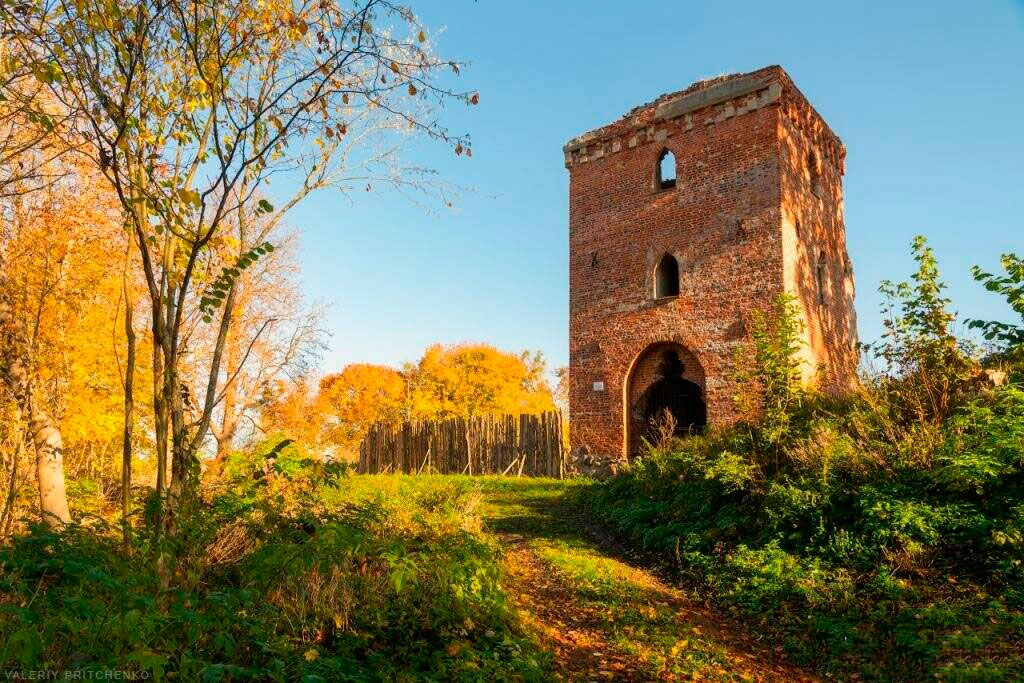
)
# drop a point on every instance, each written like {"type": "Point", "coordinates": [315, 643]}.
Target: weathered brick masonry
{"type": "Point", "coordinates": [757, 208]}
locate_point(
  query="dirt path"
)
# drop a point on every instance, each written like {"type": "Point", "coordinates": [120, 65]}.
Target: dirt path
{"type": "Point", "coordinates": [604, 619]}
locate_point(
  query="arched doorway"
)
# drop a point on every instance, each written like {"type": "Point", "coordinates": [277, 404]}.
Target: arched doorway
{"type": "Point", "coordinates": [666, 388]}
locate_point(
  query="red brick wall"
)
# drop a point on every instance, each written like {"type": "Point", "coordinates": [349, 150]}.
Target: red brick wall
{"type": "Point", "coordinates": [737, 182]}
{"type": "Point", "coordinates": [812, 226]}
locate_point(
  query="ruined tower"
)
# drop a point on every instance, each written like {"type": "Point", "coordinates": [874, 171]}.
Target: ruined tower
{"type": "Point", "coordinates": [684, 215]}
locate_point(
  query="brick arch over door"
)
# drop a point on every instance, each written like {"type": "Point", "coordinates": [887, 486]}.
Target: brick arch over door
{"type": "Point", "coordinates": [664, 374]}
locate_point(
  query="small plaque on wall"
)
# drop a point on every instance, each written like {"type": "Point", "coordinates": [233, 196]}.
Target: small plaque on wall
{"type": "Point", "coordinates": [598, 386]}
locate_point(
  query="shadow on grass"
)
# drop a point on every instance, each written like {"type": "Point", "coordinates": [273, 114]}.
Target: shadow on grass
{"type": "Point", "coordinates": [536, 508]}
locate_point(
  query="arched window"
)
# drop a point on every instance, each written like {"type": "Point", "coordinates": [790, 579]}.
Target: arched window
{"type": "Point", "coordinates": [665, 173]}
{"type": "Point", "coordinates": [813, 172]}
{"type": "Point", "coordinates": [666, 277]}
{"type": "Point", "coordinates": [821, 277]}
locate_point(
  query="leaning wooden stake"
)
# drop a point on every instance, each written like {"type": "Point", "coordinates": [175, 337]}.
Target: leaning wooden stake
{"type": "Point", "coordinates": [510, 466]}
{"type": "Point", "coordinates": [426, 459]}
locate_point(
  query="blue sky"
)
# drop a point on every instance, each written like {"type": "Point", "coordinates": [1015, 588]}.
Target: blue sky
{"type": "Point", "coordinates": [928, 98]}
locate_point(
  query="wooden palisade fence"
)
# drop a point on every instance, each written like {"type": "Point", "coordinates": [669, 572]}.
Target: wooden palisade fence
{"type": "Point", "coordinates": [516, 445]}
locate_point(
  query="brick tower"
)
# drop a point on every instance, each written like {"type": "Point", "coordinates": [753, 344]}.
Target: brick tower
{"type": "Point", "coordinates": [683, 216]}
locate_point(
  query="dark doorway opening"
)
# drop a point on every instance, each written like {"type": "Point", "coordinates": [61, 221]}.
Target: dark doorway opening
{"type": "Point", "coordinates": [671, 392]}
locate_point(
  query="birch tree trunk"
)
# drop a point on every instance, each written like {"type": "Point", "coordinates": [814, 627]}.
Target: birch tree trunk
{"type": "Point", "coordinates": [46, 437]}
{"type": "Point", "coordinates": [53, 499]}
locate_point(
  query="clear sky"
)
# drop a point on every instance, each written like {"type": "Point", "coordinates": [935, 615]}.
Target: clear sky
{"type": "Point", "coordinates": [928, 98]}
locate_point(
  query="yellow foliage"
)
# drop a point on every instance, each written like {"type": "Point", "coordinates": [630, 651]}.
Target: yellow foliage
{"type": "Point", "coordinates": [355, 398]}
{"type": "Point", "coordinates": [65, 251]}
{"type": "Point", "coordinates": [466, 380]}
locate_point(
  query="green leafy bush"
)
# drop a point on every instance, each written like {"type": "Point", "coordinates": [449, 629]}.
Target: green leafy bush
{"type": "Point", "coordinates": [291, 572]}
{"type": "Point", "coordinates": [892, 572]}
{"type": "Point", "coordinates": [881, 534]}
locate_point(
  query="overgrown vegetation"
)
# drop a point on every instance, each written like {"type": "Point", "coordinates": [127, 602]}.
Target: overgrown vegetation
{"type": "Point", "coordinates": [879, 536]}
{"type": "Point", "coordinates": [292, 570]}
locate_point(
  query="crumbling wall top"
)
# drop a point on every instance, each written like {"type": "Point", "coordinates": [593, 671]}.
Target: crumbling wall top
{"type": "Point", "coordinates": [759, 88]}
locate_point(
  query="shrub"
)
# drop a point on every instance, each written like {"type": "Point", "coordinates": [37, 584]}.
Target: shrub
{"type": "Point", "coordinates": [298, 572]}
{"type": "Point", "coordinates": [880, 534]}
{"type": "Point", "coordinates": [767, 371]}
{"type": "Point", "coordinates": [893, 572]}
{"type": "Point", "coordinates": [1011, 287]}
{"type": "Point", "coordinates": [928, 370]}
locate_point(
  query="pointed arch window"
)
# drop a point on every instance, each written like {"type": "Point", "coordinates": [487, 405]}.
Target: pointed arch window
{"type": "Point", "coordinates": [666, 277]}
{"type": "Point", "coordinates": [665, 171]}
{"type": "Point", "coordinates": [821, 277]}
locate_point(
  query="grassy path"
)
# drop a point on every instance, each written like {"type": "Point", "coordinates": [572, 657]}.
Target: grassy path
{"type": "Point", "coordinates": [602, 618]}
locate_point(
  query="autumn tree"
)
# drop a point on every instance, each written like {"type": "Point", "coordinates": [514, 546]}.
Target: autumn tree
{"type": "Point", "coordinates": [562, 388]}
{"type": "Point", "coordinates": [272, 333]}
{"type": "Point", "coordinates": [355, 398]}
{"type": "Point", "coordinates": [29, 150]}
{"type": "Point", "coordinates": [61, 249]}
{"type": "Point", "coordinates": [190, 107]}
{"type": "Point", "coordinates": [290, 408]}
{"type": "Point", "coordinates": [465, 380]}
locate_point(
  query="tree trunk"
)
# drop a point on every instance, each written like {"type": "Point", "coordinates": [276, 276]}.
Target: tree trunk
{"type": "Point", "coordinates": [225, 434]}
{"type": "Point", "coordinates": [129, 410]}
{"type": "Point", "coordinates": [7, 516]}
{"type": "Point", "coordinates": [15, 372]}
{"type": "Point", "coordinates": [53, 499]}
{"type": "Point", "coordinates": [225, 437]}
{"type": "Point", "coordinates": [184, 445]}
{"type": "Point", "coordinates": [159, 425]}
